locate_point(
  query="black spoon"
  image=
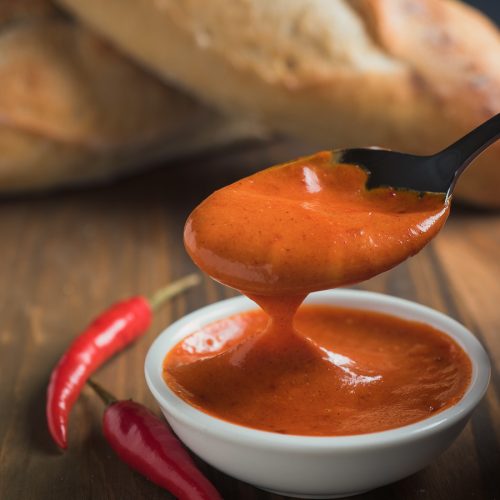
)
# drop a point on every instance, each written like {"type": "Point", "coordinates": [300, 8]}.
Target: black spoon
{"type": "Point", "coordinates": [437, 173]}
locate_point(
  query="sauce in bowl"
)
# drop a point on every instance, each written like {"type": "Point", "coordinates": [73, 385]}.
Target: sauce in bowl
{"type": "Point", "coordinates": [278, 235]}
{"type": "Point", "coordinates": [373, 372]}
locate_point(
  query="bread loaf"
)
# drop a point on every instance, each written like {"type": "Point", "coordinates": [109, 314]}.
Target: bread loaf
{"type": "Point", "coordinates": [410, 75]}
{"type": "Point", "coordinates": [72, 109]}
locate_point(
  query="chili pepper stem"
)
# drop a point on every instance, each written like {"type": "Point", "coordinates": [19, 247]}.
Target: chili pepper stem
{"type": "Point", "coordinates": [106, 397]}
{"type": "Point", "coordinates": [165, 293]}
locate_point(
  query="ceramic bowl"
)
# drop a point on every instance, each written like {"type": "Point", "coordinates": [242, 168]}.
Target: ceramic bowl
{"type": "Point", "coordinates": [311, 466]}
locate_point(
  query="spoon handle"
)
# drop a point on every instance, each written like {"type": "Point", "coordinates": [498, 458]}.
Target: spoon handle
{"type": "Point", "coordinates": [453, 160]}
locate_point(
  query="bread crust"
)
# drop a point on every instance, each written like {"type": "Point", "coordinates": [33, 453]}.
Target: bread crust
{"type": "Point", "coordinates": [393, 73]}
{"type": "Point", "coordinates": [74, 110]}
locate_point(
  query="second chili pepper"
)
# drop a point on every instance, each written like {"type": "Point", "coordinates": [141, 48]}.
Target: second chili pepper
{"type": "Point", "coordinates": [145, 443]}
{"type": "Point", "coordinates": [109, 333]}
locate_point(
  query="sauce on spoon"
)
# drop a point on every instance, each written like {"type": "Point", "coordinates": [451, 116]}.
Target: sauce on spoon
{"type": "Point", "coordinates": [308, 225]}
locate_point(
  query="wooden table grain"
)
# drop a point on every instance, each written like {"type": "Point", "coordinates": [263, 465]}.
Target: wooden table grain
{"type": "Point", "coordinates": [65, 256]}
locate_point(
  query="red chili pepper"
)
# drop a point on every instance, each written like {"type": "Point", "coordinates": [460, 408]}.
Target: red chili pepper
{"type": "Point", "coordinates": [109, 333]}
{"type": "Point", "coordinates": [145, 443]}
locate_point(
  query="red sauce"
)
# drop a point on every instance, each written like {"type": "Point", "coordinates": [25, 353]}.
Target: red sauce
{"type": "Point", "coordinates": [308, 225]}
{"type": "Point", "coordinates": [278, 235]}
{"type": "Point", "coordinates": [373, 372]}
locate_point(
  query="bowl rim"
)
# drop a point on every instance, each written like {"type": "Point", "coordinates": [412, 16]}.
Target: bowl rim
{"type": "Point", "coordinates": [177, 408]}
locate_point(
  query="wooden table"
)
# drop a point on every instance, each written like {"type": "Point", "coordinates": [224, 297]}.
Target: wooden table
{"type": "Point", "coordinates": [65, 256]}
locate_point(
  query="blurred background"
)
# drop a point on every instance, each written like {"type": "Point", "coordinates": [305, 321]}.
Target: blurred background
{"type": "Point", "coordinates": [93, 92]}
{"type": "Point", "coordinates": [488, 7]}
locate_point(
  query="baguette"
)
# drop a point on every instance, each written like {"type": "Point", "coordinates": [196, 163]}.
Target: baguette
{"type": "Point", "coordinates": [409, 75]}
{"type": "Point", "coordinates": [74, 110]}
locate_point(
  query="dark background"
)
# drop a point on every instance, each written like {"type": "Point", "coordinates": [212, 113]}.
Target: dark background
{"type": "Point", "coordinates": [490, 7]}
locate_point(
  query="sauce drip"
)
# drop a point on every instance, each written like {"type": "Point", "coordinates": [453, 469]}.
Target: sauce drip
{"type": "Point", "coordinates": [278, 235]}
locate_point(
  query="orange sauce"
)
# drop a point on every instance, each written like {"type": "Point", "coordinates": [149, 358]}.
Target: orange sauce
{"type": "Point", "coordinates": [278, 235]}
{"type": "Point", "coordinates": [366, 372]}
{"type": "Point", "coordinates": [308, 225]}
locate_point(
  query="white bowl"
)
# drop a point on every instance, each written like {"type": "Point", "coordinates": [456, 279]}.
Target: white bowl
{"type": "Point", "coordinates": [311, 466]}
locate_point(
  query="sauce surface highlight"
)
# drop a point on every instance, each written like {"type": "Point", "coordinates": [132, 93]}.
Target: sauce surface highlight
{"type": "Point", "coordinates": [278, 235]}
